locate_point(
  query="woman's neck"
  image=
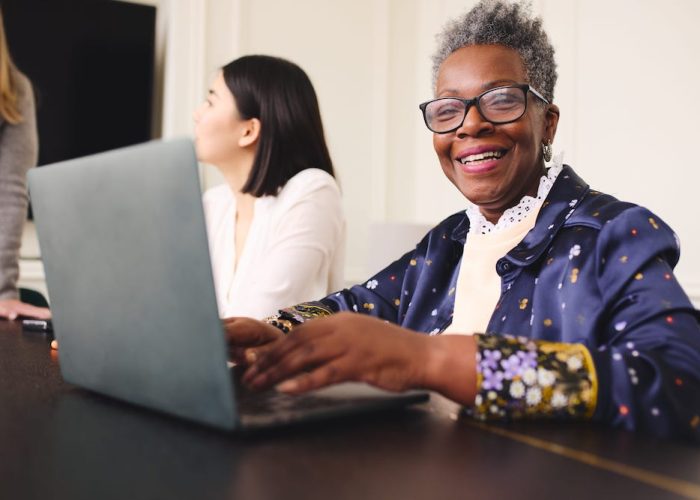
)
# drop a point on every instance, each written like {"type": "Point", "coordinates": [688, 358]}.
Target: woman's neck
{"type": "Point", "coordinates": [236, 174]}
{"type": "Point", "coordinates": [245, 203]}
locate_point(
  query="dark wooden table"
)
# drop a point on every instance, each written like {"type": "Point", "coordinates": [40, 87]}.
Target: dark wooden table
{"type": "Point", "coordinates": [58, 441]}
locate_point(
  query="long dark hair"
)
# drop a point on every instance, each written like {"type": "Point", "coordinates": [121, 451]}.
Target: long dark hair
{"type": "Point", "coordinates": [281, 96]}
{"type": "Point", "coordinates": [9, 110]}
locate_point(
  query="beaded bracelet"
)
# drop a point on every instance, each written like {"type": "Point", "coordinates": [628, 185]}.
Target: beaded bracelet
{"type": "Point", "coordinates": [288, 318]}
{"type": "Point", "coordinates": [283, 324]}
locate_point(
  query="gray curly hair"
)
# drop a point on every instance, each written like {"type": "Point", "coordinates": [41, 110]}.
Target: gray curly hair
{"type": "Point", "coordinates": [498, 22]}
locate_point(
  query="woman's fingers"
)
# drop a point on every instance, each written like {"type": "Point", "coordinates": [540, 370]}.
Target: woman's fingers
{"type": "Point", "coordinates": [12, 309]}
{"type": "Point", "coordinates": [288, 357]}
{"type": "Point", "coordinates": [247, 332]}
{"type": "Point", "coordinates": [6, 312]}
{"type": "Point", "coordinates": [342, 347]}
{"type": "Point", "coordinates": [328, 374]}
{"type": "Point", "coordinates": [237, 355]}
{"type": "Point", "coordinates": [268, 355]}
{"type": "Point", "coordinates": [33, 311]}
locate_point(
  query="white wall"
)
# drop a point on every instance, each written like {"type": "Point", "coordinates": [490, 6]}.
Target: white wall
{"type": "Point", "coordinates": [626, 70]}
{"type": "Point", "coordinates": [631, 118]}
{"type": "Point", "coordinates": [626, 91]}
{"type": "Point", "coordinates": [636, 116]}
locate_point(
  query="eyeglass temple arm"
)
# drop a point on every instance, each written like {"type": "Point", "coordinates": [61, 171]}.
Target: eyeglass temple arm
{"type": "Point", "coordinates": [543, 98]}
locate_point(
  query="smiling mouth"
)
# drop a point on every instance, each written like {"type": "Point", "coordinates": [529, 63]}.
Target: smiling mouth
{"type": "Point", "coordinates": [475, 159]}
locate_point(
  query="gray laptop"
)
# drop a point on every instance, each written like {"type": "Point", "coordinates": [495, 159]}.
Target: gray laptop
{"type": "Point", "coordinates": [125, 252]}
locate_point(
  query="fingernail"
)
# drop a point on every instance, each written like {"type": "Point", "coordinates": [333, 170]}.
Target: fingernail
{"type": "Point", "coordinates": [54, 344]}
{"type": "Point", "coordinates": [251, 356]}
{"type": "Point", "coordinates": [12, 316]}
{"type": "Point", "coordinates": [288, 386]}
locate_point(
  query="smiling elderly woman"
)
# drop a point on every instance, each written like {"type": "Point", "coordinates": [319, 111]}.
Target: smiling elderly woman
{"type": "Point", "coordinates": [573, 291]}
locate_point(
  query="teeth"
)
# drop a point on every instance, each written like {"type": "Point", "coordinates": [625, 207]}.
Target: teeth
{"type": "Point", "coordinates": [481, 156]}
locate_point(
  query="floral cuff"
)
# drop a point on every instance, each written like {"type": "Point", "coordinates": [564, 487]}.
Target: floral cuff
{"type": "Point", "coordinates": [519, 377]}
{"type": "Point", "coordinates": [288, 318]}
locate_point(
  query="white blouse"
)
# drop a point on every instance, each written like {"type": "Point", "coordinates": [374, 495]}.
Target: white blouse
{"type": "Point", "coordinates": [294, 251]}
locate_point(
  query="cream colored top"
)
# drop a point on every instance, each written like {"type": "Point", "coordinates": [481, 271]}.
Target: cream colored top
{"type": "Point", "coordinates": [294, 251]}
{"type": "Point", "coordinates": [478, 283]}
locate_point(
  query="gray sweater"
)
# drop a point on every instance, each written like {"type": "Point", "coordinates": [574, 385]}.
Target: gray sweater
{"type": "Point", "coordinates": [18, 153]}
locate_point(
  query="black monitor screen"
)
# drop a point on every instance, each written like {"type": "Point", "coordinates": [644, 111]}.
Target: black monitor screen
{"type": "Point", "coordinates": [92, 64]}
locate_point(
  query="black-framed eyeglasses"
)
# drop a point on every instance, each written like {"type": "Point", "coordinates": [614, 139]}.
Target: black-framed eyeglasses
{"type": "Point", "coordinates": [498, 106]}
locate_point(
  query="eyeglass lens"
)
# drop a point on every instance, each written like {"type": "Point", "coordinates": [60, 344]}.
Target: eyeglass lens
{"type": "Point", "coordinates": [499, 105]}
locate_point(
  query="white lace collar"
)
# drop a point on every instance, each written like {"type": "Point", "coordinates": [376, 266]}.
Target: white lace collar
{"type": "Point", "coordinates": [478, 223]}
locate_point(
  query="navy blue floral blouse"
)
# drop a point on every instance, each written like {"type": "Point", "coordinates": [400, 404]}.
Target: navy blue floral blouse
{"type": "Point", "coordinates": [591, 322]}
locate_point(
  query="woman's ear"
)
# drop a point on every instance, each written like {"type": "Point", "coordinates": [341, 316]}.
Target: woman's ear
{"type": "Point", "coordinates": [551, 120]}
{"type": "Point", "coordinates": [250, 133]}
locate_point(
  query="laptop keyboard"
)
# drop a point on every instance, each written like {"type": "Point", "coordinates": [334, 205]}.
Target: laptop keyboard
{"type": "Point", "coordinates": [276, 402]}
{"type": "Point", "coordinates": [272, 401]}
{"type": "Point", "coordinates": [259, 409]}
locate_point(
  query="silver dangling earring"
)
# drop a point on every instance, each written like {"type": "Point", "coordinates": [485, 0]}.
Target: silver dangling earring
{"type": "Point", "coordinates": [547, 151]}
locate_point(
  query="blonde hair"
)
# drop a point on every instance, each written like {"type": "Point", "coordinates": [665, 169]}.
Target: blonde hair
{"type": "Point", "coordinates": [8, 91]}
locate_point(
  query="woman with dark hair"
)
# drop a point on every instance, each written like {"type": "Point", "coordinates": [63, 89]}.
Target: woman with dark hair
{"type": "Point", "coordinates": [18, 153]}
{"type": "Point", "coordinates": [544, 299]}
{"type": "Point", "coordinates": [276, 228]}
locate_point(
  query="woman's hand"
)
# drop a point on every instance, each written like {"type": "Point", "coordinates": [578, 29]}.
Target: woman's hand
{"type": "Point", "coordinates": [342, 347]}
{"type": "Point", "coordinates": [354, 347]}
{"type": "Point", "coordinates": [243, 333]}
{"type": "Point", "coordinates": [12, 309]}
